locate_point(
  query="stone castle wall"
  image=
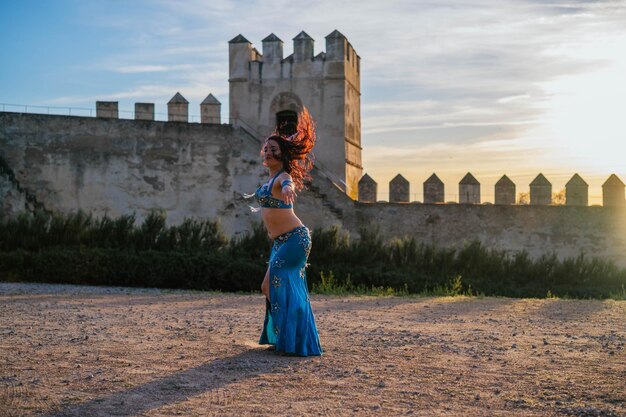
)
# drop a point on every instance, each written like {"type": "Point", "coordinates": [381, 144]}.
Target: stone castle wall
{"type": "Point", "coordinates": [566, 231]}
{"type": "Point", "coordinates": [122, 166]}
{"type": "Point", "coordinates": [117, 167]}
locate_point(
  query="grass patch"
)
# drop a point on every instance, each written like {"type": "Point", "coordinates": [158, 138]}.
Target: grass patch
{"type": "Point", "coordinates": [328, 286]}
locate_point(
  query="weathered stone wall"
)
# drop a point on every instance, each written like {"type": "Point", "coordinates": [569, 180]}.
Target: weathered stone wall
{"type": "Point", "coordinates": [564, 230]}
{"type": "Point", "coordinates": [12, 201]}
{"type": "Point", "coordinates": [120, 166]}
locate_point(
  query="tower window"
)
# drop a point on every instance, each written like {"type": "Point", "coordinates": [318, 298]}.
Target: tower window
{"type": "Point", "coordinates": [287, 122]}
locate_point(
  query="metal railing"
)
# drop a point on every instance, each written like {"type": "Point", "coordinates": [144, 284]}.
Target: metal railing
{"type": "Point", "coordinates": [123, 114]}
{"type": "Point", "coordinates": [54, 110]}
{"type": "Point", "coordinates": [80, 111]}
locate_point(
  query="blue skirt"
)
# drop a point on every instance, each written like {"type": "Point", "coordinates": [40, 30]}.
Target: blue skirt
{"type": "Point", "coordinates": [289, 322]}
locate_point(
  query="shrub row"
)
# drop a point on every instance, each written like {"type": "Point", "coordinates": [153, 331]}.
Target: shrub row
{"type": "Point", "coordinates": [40, 230]}
{"type": "Point", "coordinates": [406, 264]}
{"type": "Point", "coordinates": [79, 249]}
{"type": "Point", "coordinates": [182, 270]}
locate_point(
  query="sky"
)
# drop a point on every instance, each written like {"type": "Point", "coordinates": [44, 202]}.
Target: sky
{"type": "Point", "coordinates": [447, 86]}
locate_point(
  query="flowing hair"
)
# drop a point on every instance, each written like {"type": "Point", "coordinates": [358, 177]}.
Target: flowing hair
{"type": "Point", "coordinates": [296, 149]}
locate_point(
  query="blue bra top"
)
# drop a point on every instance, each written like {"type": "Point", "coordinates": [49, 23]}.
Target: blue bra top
{"type": "Point", "coordinates": [265, 198]}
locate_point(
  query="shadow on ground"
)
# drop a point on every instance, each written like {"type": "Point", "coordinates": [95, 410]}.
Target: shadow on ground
{"type": "Point", "coordinates": [213, 378]}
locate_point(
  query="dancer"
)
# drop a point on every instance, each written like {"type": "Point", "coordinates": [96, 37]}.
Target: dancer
{"type": "Point", "coordinates": [289, 322]}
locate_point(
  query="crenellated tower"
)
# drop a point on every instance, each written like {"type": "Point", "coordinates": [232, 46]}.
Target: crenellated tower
{"type": "Point", "coordinates": [267, 90]}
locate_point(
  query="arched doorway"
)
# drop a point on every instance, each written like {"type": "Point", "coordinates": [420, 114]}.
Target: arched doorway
{"type": "Point", "coordinates": [286, 122]}
{"type": "Point", "coordinates": [283, 114]}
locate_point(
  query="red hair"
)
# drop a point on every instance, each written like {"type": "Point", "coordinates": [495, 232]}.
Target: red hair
{"type": "Point", "coordinates": [296, 149]}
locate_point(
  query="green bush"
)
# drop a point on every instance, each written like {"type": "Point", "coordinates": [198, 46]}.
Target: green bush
{"type": "Point", "coordinates": [132, 269]}
{"type": "Point", "coordinates": [80, 249]}
{"type": "Point", "coordinates": [41, 230]}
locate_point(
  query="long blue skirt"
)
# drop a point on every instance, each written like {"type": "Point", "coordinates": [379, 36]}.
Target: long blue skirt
{"type": "Point", "coordinates": [289, 322]}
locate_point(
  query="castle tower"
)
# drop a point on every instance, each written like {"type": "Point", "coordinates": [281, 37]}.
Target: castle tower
{"type": "Point", "coordinates": [268, 90]}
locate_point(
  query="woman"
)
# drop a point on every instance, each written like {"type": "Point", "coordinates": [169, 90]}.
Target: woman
{"type": "Point", "coordinates": [289, 322]}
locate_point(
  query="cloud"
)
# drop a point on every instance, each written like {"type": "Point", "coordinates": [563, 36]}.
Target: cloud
{"type": "Point", "coordinates": [134, 69]}
{"type": "Point", "coordinates": [448, 83]}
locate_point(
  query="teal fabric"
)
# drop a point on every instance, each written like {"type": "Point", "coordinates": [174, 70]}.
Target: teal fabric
{"type": "Point", "coordinates": [265, 198]}
{"type": "Point", "coordinates": [289, 322]}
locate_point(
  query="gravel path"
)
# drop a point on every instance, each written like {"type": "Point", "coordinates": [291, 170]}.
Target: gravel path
{"type": "Point", "coordinates": [100, 351]}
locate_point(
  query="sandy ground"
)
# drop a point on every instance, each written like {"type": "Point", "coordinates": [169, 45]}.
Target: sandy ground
{"type": "Point", "coordinates": [89, 351]}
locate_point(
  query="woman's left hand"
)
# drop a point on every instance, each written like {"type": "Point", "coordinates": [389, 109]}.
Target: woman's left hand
{"type": "Point", "coordinates": [289, 195]}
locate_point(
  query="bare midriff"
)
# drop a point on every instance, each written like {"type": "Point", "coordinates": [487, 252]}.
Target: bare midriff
{"type": "Point", "coordinates": [279, 221]}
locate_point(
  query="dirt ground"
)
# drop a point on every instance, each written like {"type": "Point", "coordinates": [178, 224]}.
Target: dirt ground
{"type": "Point", "coordinates": [95, 351]}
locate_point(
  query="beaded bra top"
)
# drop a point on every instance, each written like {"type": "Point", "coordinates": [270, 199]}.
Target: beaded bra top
{"type": "Point", "coordinates": [265, 198]}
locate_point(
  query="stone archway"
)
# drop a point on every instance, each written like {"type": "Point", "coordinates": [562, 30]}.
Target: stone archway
{"type": "Point", "coordinates": [284, 111]}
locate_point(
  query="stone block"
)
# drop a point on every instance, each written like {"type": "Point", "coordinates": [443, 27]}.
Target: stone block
{"type": "Point", "coordinates": [576, 192]}
{"type": "Point", "coordinates": [107, 109]}
{"type": "Point", "coordinates": [178, 109]}
{"type": "Point", "coordinates": [210, 110]}
{"type": "Point", "coordinates": [613, 192]}
{"type": "Point", "coordinates": [433, 190]}
{"type": "Point", "coordinates": [540, 191]}
{"type": "Point", "coordinates": [505, 191]}
{"type": "Point", "coordinates": [399, 190]}
{"type": "Point", "coordinates": [469, 190]}
{"type": "Point", "coordinates": [368, 189]}
{"type": "Point", "coordinates": [144, 111]}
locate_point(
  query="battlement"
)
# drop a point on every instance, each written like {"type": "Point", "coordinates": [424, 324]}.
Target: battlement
{"type": "Point", "coordinates": [576, 192]}
{"type": "Point", "coordinates": [340, 59]}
